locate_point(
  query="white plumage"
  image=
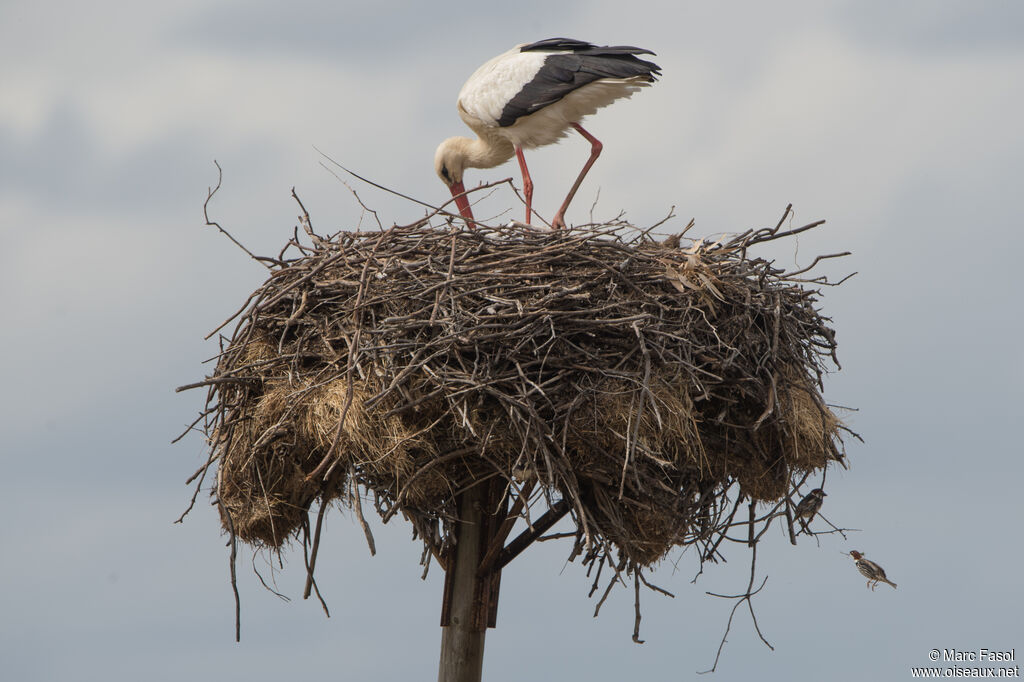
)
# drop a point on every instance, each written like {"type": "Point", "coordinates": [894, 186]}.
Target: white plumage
{"type": "Point", "coordinates": [532, 96]}
{"type": "Point", "coordinates": [488, 90]}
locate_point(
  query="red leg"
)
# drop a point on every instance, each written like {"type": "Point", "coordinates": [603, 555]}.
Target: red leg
{"type": "Point", "coordinates": [527, 181]}
{"type": "Point", "coordinates": [595, 151]}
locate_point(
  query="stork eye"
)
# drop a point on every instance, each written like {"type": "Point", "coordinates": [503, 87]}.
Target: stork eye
{"type": "Point", "coordinates": [444, 174]}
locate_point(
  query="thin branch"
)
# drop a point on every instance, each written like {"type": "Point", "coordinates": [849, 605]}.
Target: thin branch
{"type": "Point", "coordinates": [233, 543]}
{"type": "Point", "coordinates": [266, 262]}
{"type": "Point", "coordinates": [741, 598]}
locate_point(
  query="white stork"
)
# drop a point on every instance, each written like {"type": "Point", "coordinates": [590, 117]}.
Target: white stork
{"type": "Point", "coordinates": [529, 97]}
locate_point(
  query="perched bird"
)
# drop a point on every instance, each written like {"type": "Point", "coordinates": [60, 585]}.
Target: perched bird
{"type": "Point", "coordinates": [810, 505]}
{"type": "Point", "coordinates": [869, 569]}
{"type": "Point", "coordinates": [531, 96]}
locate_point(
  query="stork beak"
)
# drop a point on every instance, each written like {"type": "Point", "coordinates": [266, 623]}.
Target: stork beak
{"type": "Point", "coordinates": [462, 201]}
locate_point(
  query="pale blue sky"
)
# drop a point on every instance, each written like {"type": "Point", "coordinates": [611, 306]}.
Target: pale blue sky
{"type": "Point", "coordinates": [900, 125]}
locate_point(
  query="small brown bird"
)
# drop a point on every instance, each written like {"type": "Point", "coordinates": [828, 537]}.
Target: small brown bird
{"type": "Point", "coordinates": [869, 569]}
{"type": "Point", "coordinates": [810, 505]}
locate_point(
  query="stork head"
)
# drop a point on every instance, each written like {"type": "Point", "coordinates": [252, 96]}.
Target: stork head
{"type": "Point", "coordinates": [450, 162]}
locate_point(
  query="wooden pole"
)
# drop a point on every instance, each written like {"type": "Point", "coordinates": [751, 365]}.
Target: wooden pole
{"type": "Point", "coordinates": [462, 633]}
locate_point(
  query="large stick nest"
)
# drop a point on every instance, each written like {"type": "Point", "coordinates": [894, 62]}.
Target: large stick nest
{"type": "Point", "coordinates": [639, 381]}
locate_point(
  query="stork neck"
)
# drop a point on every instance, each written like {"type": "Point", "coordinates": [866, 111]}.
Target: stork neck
{"type": "Point", "coordinates": [487, 152]}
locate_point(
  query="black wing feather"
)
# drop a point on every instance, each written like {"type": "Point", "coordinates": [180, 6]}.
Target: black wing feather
{"type": "Point", "coordinates": [569, 44]}
{"type": "Point", "coordinates": [562, 73]}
